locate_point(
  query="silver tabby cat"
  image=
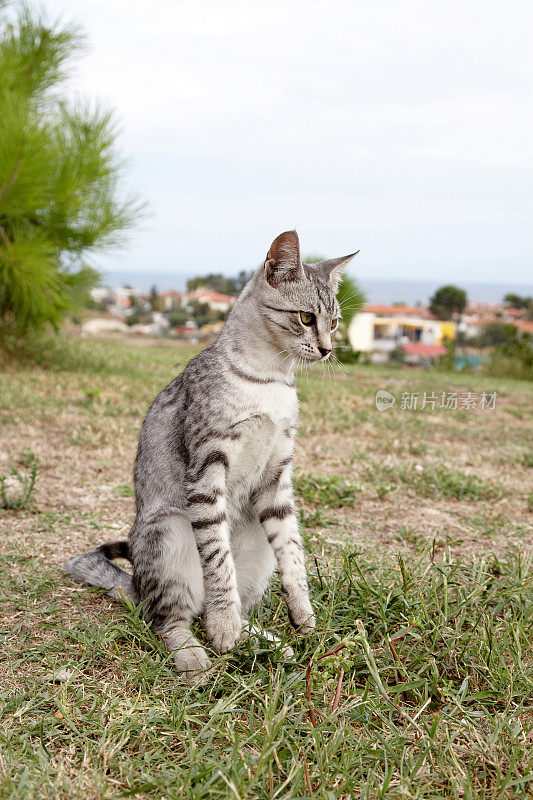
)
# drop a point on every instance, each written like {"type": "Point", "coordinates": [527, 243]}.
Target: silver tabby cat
{"type": "Point", "coordinates": [213, 487]}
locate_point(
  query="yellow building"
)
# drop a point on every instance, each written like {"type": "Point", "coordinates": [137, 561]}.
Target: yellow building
{"type": "Point", "coordinates": [370, 333]}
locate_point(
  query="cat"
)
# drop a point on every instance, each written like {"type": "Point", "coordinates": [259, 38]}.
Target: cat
{"type": "Point", "coordinates": [213, 473]}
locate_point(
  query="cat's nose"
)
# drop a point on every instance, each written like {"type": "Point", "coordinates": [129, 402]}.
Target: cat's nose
{"type": "Point", "coordinates": [324, 351]}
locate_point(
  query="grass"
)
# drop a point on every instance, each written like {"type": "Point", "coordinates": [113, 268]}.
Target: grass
{"type": "Point", "coordinates": [439, 482]}
{"type": "Point", "coordinates": [418, 682]}
{"type": "Point", "coordinates": [527, 459]}
{"type": "Point", "coordinates": [426, 693]}
{"type": "Point", "coordinates": [16, 488]}
{"type": "Point", "coordinates": [331, 492]}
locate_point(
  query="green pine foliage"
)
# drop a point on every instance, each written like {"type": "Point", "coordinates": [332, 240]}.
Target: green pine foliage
{"type": "Point", "coordinates": [447, 301]}
{"type": "Point", "coordinates": [59, 176]}
{"type": "Point", "coordinates": [351, 299]}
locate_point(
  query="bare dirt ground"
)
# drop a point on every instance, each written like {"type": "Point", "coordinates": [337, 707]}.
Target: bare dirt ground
{"type": "Point", "coordinates": [83, 425]}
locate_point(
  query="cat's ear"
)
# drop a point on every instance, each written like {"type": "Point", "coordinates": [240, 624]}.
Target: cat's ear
{"type": "Point", "coordinates": [333, 269]}
{"type": "Point", "coordinates": [282, 264]}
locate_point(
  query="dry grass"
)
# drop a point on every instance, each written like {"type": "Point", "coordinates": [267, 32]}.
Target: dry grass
{"type": "Point", "coordinates": [443, 489]}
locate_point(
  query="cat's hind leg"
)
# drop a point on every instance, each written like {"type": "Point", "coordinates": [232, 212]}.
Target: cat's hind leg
{"type": "Point", "coordinates": [254, 561]}
{"type": "Point", "coordinates": [169, 578]}
{"type": "Point", "coordinates": [254, 564]}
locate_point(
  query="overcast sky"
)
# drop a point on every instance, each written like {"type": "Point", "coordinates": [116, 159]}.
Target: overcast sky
{"type": "Point", "coordinates": [400, 128]}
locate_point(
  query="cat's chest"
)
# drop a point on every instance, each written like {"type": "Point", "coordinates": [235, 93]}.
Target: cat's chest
{"type": "Point", "coordinates": [260, 437]}
{"type": "Point", "coordinates": [267, 411]}
{"type": "Point", "coordinates": [276, 403]}
{"type": "Point", "coordinates": [260, 440]}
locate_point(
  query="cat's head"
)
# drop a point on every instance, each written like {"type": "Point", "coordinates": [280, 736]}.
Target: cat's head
{"type": "Point", "coordinates": [299, 301]}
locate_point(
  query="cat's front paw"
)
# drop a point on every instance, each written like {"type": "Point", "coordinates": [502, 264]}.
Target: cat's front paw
{"type": "Point", "coordinates": [192, 663]}
{"type": "Point", "coordinates": [301, 614]}
{"type": "Point", "coordinates": [224, 628]}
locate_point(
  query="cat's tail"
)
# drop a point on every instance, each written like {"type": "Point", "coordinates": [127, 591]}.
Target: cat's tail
{"type": "Point", "coordinates": [97, 569]}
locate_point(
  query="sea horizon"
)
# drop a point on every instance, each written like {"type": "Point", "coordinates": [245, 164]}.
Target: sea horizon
{"type": "Point", "coordinates": [377, 290]}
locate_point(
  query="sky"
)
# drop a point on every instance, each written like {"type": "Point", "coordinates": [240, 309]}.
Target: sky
{"type": "Point", "coordinates": [402, 128]}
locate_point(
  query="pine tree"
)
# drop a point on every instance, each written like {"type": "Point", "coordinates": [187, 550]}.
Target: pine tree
{"type": "Point", "coordinates": [59, 176]}
{"type": "Point", "coordinates": [447, 302]}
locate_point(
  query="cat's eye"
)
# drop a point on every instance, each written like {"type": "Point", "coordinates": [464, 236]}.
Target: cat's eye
{"type": "Point", "coordinates": [307, 318]}
{"type": "Point", "coordinates": [334, 323]}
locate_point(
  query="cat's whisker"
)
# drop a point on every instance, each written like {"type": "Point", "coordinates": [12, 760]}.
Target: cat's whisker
{"type": "Point", "coordinates": [330, 371]}
{"type": "Point", "coordinates": [285, 358]}
{"type": "Point", "coordinates": [345, 373]}
{"type": "Point", "coordinates": [329, 378]}
{"type": "Point", "coordinates": [276, 355]}
{"type": "Point", "coordinates": [351, 296]}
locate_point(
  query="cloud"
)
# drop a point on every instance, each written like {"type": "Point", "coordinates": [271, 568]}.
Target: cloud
{"type": "Point", "coordinates": [373, 122]}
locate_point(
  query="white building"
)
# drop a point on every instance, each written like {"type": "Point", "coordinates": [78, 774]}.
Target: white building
{"type": "Point", "coordinates": [101, 294]}
{"type": "Point", "coordinates": [371, 333]}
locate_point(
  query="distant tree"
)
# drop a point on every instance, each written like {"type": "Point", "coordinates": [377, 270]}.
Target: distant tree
{"type": "Point", "coordinates": [178, 317]}
{"type": "Point", "coordinates": [519, 302]}
{"type": "Point", "coordinates": [461, 339]}
{"type": "Point", "coordinates": [202, 314]}
{"type": "Point", "coordinates": [447, 362]}
{"type": "Point", "coordinates": [397, 355]}
{"type": "Point", "coordinates": [241, 280]}
{"type": "Point", "coordinates": [220, 283]}
{"type": "Point", "coordinates": [313, 258]}
{"type": "Point", "coordinates": [447, 301]}
{"type": "Point", "coordinates": [215, 281]}
{"type": "Point", "coordinates": [154, 297]}
{"type": "Point", "coordinates": [513, 358]}
{"type": "Point", "coordinates": [496, 333]}
{"type": "Point", "coordinates": [133, 319]}
{"type": "Point", "coordinates": [93, 305]}
{"type": "Point", "coordinates": [59, 177]}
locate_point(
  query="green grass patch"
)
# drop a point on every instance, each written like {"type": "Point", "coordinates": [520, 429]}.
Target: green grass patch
{"type": "Point", "coordinates": [449, 483]}
{"type": "Point", "coordinates": [92, 357]}
{"type": "Point", "coordinates": [124, 490]}
{"type": "Point", "coordinates": [332, 492]}
{"type": "Point", "coordinates": [16, 488]}
{"type": "Point", "coordinates": [417, 683]}
{"type": "Point", "coordinates": [527, 459]}
{"type": "Point", "coordinates": [437, 482]}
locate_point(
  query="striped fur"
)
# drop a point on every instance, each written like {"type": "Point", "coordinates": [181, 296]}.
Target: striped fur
{"type": "Point", "coordinates": [213, 473]}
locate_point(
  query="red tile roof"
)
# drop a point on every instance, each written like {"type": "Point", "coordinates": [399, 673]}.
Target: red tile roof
{"type": "Point", "coordinates": [384, 310]}
{"type": "Point", "coordinates": [210, 295]}
{"type": "Point", "coordinates": [420, 349]}
{"type": "Point", "coordinates": [525, 325]}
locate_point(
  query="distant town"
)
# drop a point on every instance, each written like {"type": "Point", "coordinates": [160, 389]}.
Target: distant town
{"type": "Point", "coordinates": [378, 332]}
{"type": "Point", "coordinates": [417, 333]}
{"type": "Point", "coordinates": [192, 315]}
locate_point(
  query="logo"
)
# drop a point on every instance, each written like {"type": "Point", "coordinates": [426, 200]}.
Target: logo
{"type": "Point", "coordinates": [384, 400]}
